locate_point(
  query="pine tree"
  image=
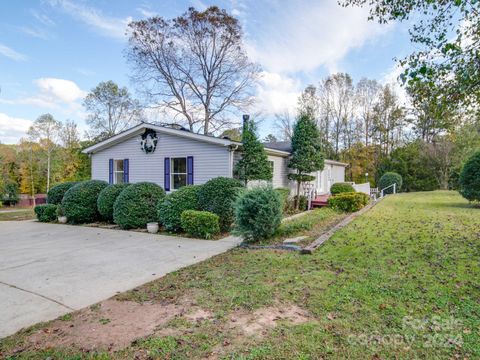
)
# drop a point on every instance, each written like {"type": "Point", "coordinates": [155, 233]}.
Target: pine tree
{"type": "Point", "coordinates": [307, 155]}
{"type": "Point", "coordinates": [254, 164]}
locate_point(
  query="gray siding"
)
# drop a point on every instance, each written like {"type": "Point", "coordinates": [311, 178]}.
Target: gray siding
{"type": "Point", "coordinates": [210, 160]}
{"type": "Point", "coordinates": [280, 171]}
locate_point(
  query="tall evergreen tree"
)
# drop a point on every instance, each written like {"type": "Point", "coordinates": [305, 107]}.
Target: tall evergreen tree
{"type": "Point", "coordinates": [254, 164]}
{"type": "Point", "coordinates": [307, 155]}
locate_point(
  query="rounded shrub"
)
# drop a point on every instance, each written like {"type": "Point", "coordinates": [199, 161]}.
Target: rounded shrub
{"type": "Point", "coordinates": [258, 213]}
{"type": "Point", "coordinates": [56, 193]}
{"type": "Point", "coordinates": [80, 201]}
{"type": "Point", "coordinates": [137, 205]}
{"type": "Point", "coordinates": [46, 212]}
{"type": "Point", "coordinates": [107, 198]}
{"type": "Point", "coordinates": [218, 196]}
{"type": "Point", "coordinates": [284, 197]}
{"type": "Point", "coordinates": [201, 224]}
{"type": "Point", "coordinates": [348, 202]}
{"type": "Point", "coordinates": [470, 178]}
{"type": "Point", "coordinates": [341, 187]}
{"type": "Point", "coordinates": [390, 178]}
{"type": "Point", "coordinates": [170, 209]}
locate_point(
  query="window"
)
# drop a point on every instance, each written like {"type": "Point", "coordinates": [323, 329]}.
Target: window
{"type": "Point", "coordinates": [118, 172]}
{"type": "Point", "coordinates": [179, 173]}
{"type": "Point", "coordinates": [272, 165]}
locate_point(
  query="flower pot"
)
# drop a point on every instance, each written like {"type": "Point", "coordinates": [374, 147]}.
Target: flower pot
{"type": "Point", "coordinates": [62, 219]}
{"type": "Point", "coordinates": [152, 227]}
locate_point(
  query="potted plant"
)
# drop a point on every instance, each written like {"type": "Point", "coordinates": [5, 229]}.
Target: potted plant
{"type": "Point", "coordinates": [152, 227]}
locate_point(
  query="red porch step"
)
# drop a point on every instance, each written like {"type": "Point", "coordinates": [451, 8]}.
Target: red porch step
{"type": "Point", "coordinates": [320, 200]}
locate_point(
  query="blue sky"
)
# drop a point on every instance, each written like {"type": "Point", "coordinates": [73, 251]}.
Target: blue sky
{"type": "Point", "coordinates": [52, 52]}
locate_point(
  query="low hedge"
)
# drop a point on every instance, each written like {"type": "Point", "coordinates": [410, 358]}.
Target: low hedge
{"type": "Point", "coordinates": [285, 198]}
{"type": "Point", "coordinates": [137, 205]}
{"type": "Point", "coordinates": [56, 193]}
{"type": "Point", "coordinates": [389, 178]}
{"type": "Point", "coordinates": [341, 187]}
{"type": "Point", "coordinates": [348, 202]}
{"type": "Point", "coordinates": [218, 196]}
{"type": "Point", "coordinates": [258, 213]}
{"type": "Point", "coordinates": [107, 198]}
{"type": "Point", "coordinates": [46, 212]}
{"type": "Point", "coordinates": [171, 208]}
{"type": "Point", "coordinates": [80, 202]}
{"type": "Point", "coordinates": [201, 224]}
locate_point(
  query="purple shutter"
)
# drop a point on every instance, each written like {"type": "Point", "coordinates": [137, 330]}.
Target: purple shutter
{"type": "Point", "coordinates": [126, 170]}
{"type": "Point", "coordinates": [190, 170]}
{"type": "Point", "coordinates": [110, 171]}
{"type": "Point", "coordinates": [166, 180]}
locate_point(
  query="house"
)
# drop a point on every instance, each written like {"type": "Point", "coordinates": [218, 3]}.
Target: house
{"type": "Point", "coordinates": [174, 157]}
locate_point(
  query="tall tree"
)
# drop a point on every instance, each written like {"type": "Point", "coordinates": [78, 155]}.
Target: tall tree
{"type": "Point", "coordinates": [446, 38]}
{"type": "Point", "coordinates": [46, 130]}
{"type": "Point", "coordinates": [111, 109]}
{"type": "Point", "coordinates": [254, 164]}
{"type": "Point", "coordinates": [307, 155]}
{"type": "Point", "coordinates": [194, 66]}
{"type": "Point", "coordinates": [284, 122]}
{"type": "Point", "coordinates": [367, 93]}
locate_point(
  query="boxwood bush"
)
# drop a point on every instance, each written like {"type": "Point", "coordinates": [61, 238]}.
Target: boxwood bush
{"type": "Point", "coordinates": [46, 212]}
{"type": "Point", "coordinates": [80, 201]}
{"type": "Point", "coordinates": [388, 179]}
{"type": "Point", "coordinates": [341, 187]}
{"type": "Point", "coordinates": [285, 198]}
{"type": "Point", "coordinates": [470, 178]}
{"type": "Point", "coordinates": [56, 193]}
{"type": "Point", "coordinates": [348, 202]}
{"type": "Point", "coordinates": [201, 224]}
{"type": "Point", "coordinates": [218, 196]}
{"type": "Point", "coordinates": [170, 209]}
{"type": "Point", "coordinates": [137, 205]}
{"type": "Point", "coordinates": [258, 213]}
{"type": "Point", "coordinates": [107, 198]}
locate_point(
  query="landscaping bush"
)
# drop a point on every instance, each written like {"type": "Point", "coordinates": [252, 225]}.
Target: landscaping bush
{"type": "Point", "coordinates": [284, 197]}
{"type": "Point", "coordinates": [107, 198]}
{"type": "Point", "coordinates": [137, 205]}
{"type": "Point", "coordinates": [302, 202]}
{"type": "Point", "coordinates": [202, 224]}
{"type": "Point", "coordinates": [80, 201]}
{"type": "Point", "coordinates": [46, 212]}
{"type": "Point", "coordinates": [388, 179]}
{"type": "Point", "coordinates": [170, 209]}
{"type": "Point", "coordinates": [470, 178]}
{"type": "Point", "coordinates": [218, 196]}
{"type": "Point", "coordinates": [348, 202]}
{"type": "Point", "coordinates": [258, 213]}
{"type": "Point", "coordinates": [56, 193]}
{"type": "Point", "coordinates": [341, 187]}
{"type": "Point", "coordinates": [10, 194]}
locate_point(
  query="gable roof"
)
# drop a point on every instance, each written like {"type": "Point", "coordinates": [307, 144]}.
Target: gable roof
{"type": "Point", "coordinates": [282, 148]}
{"type": "Point", "coordinates": [140, 128]}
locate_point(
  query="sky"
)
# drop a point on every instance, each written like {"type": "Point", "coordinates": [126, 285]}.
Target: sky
{"type": "Point", "coordinates": [53, 52]}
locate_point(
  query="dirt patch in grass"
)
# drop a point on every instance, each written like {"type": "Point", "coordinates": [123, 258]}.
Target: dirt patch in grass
{"type": "Point", "coordinates": [110, 325]}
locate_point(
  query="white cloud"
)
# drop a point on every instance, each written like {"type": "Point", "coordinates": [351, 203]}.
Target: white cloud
{"type": "Point", "coordinates": [302, 35]}
{"type": "Point", "coordinates": [44, 19]}
{"type": "Point", "coordinates": [277, 93]}
{"type": "Point", "coordinates": [146, 12]}
{"type": "Point", "coordinates": [106, 25]}
{"type": "Point", "coordinates": [11, 54]}
{"type": "Point", "coordinates": [53, 93]}
{"type": "Point", "coordinates": [392, 78]}
{"type": "Point", "coordinates": [34, 32]}
{"type": "Point", "coordinates": [12, 128]}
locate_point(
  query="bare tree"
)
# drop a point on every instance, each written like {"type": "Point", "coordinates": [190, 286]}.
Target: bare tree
{"type": "Point", "coordinates": [46, 130]}
{"type": "Point", "coordinates": [284, 123]}
{"type": "Point", "coordinates": [194, 66]}
{"type": "Point", "coordinates": [111, 109]}
{"type": "Point", "coordinates": [308, 103]}
{"type": "Point", "coordinates": [367, 93]}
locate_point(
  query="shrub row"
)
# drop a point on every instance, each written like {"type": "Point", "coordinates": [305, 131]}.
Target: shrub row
{"type": "Point", "coordinates": [348, 202]}
{"type": "Point", "coordinates": [203, 224]}
{"type": "Point", "coordinates": [341, 187]}
{"type": "Point", "coordinates": [46, 212]}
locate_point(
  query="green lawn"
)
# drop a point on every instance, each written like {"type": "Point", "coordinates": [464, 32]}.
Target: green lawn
{"type": "Point", "coordinates": [401, 281]}
{"type": "Point", "coordinates": [20, 214]}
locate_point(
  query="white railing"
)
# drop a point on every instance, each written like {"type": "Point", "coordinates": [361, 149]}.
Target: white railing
{"type": "Point", "coordinates": [394, 185]}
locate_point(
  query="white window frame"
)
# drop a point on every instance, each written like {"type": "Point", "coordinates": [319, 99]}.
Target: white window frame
{"type": "Point", "coordinates": [115, 171]}
{"type": "Point", "coordinates": [172, 173]}
{"type": "Point", "coordinates": [272, 165]}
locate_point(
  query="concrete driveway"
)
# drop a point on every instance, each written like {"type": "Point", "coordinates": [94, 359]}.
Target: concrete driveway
{"type": "Point", "coordinates": [47, 270]}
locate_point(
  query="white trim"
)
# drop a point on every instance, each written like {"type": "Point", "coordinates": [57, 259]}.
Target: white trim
{"type": "Point", "coordinates": [172, 173]}
{"type": "Point", "coordinates": [115, 171]}
{"type": "Point", "coordinates": [136, 130]}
